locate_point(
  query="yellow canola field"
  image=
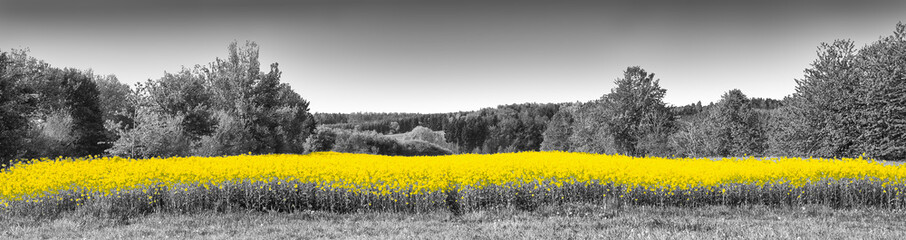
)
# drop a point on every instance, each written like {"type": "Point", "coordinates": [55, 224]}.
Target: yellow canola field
{"type": "Point", "coordinates": [380, 175]}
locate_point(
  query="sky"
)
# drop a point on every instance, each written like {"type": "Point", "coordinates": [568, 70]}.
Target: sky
{"type": "Point", "coordinates": [443, 56]}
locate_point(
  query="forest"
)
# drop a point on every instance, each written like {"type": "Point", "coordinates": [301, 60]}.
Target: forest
{"type": "Point", "coordinates": [850, 102]}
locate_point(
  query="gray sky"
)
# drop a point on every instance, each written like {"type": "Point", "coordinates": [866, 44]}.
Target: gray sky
{"type": "Point", "coordinates": [442, 56]}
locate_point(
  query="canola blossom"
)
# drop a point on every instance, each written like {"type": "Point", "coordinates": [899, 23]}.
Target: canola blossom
{"type": "Point", "coordinates": [366, 180]}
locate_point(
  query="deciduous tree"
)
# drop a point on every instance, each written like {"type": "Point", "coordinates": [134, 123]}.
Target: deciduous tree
{"type": "Point", "coordinates": [638, 120]}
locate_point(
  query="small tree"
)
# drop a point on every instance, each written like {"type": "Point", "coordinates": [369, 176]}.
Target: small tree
{"type": "Point", "coordinates": [394, 127]}
{"type": "Point", "coordinates": [738, 130]}
{"type": "Point", "coordinates": [52, 136]}
{"type": "Point", "coordinates": [695, 136]}
{"type": "Point", "coordinates": [154, 135]}
{"type": "Point", "coordinates": [590, 132]}
{"type": "Point", "coordinates": [556, 136]}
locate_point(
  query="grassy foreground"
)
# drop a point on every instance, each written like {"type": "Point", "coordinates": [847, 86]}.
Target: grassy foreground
{"type": "Point", "coordinates": [569, 221]}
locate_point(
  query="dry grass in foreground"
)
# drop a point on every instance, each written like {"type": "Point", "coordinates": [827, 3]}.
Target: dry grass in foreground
{"type": "Point", "coordinates": [578, 221]}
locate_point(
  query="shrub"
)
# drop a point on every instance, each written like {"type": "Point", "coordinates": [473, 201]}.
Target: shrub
{"type": "Point", "coordinates": [232, 137]}
{"type": "Point", "coordinates": [155, 135]}
{"type": "Point", "coordinates": [50, 137]}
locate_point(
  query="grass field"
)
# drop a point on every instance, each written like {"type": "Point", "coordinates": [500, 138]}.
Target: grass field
{"type": "Point", "coordinates": [569, 221]}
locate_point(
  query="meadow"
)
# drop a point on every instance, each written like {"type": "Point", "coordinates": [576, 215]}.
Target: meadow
{"type": "Point", "coordinates": [121, 188]}
{"type": "Point", "coordinates": [567, 221]}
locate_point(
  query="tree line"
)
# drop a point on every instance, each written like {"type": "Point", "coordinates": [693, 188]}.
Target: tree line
{"type": "Point", "coordinates": [851, 101]}
{"type": "Point", "coordinates": [229, 106]}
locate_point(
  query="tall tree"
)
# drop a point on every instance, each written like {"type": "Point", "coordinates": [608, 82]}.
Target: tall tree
{"type": "Point", "coordinates": [185, 95]}
{"type": "Point", "coordinates": [880, 113]}
{"type": "Point", "coordinates": [84, 107]}
{"type": "Point", "coordinates": [50, 124]}
{"type": "Point", "coordinates": [850, 102]}
{"type": "Point", "coordinates": [825, 100]}
{"type": "Point", "coordinates": [15, 104]}
{"type": "Point", "coordinates": [114, 99]}
{"type": "Point", "coordinates": [638, 119]}
{"type": "Point", "coordinates": [264, 115]}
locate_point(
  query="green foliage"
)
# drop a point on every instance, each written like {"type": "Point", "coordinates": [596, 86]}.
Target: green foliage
{"type": "Point", "coordinates": [589, 132]}
{"type": "Point", "coordinates": [695, 136]}
{"type": "Point", "coordinates": [90, 137]}
{"type": "Point", "coordinates": [421, 148]}
{"type": "Point", "coordinates": [765, 103]}
{"type": "Point", "coordinates": [322, 140]}
{"type": "Point", "coordinates": [272, 117]}
{"type": "Point", "coordinates": [784, 132]}
{"type": "Point", "coordinates": [62, 90]}
{"type": "Point", "coordinates": [425, 134]}
{"type": "Point", "coordinates": [824, 100]}
{"type": "Point", "coordinates": [384, 122]}
{"type": "Point", "coordinates": [631, 120]}
{"type": "Point", "coordinates": [559, 129]}
{"type": "Point", "coordinates": [331, 118]}
{"type": "Point", "coordinates": [224, 108]}
{"type": "Point", "coordinates": [737, 128]}
{"type": "Point", "coordinates": [690, 109]}
{"type": "Point", "coordinates": [729, 128]}
{"type": "Point", "coordinates": [882, 97]}
{"type": "Point", "coordinates": [154, 135]}
{"type": "Point", "coordinates": [468, 132]}
{"type": "Point", "coordinates": [363, 117]}
{"type": "Point", "coordinates": [232, 137]}
{"type": "Point", "coordinates": [849, 102]}
{"type": "Point", "coordinates": [281, 118]}
{"type": "Point", "coordinates": [520, 127]}
{"type": "Point", "coordinates": [15, 105]}
{"type": "Point", "coordinates": [49, 94]}
{"type": "Point", "coordinates": [114, 99]}
{"type": "Point", "coordinates": [639, 121]}
{"type": "Point", "coordinates": [507, 128]}
{"type": "Point", "coordinates": [183, 94]}
{"type": "Point", "coordinates": [50, 137]}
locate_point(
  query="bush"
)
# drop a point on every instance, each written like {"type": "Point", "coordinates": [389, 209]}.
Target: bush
{"type": "Point", "coordinates": [155, 135]}
{"type": "Point", "coordinates": [425, 134]}
{"type": "Point", "coordinates": [50, 137]}
{"type": "Point", "coordinates": [556, 136]}
{"type": "Point", "coordinates": [422, 148]}
{"type": "Point", "coordinates": [321, 141]}
{"type": "Point", "coordinates": [370, 142]}
{"type": "Point", "coordinates": [231, 137]}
